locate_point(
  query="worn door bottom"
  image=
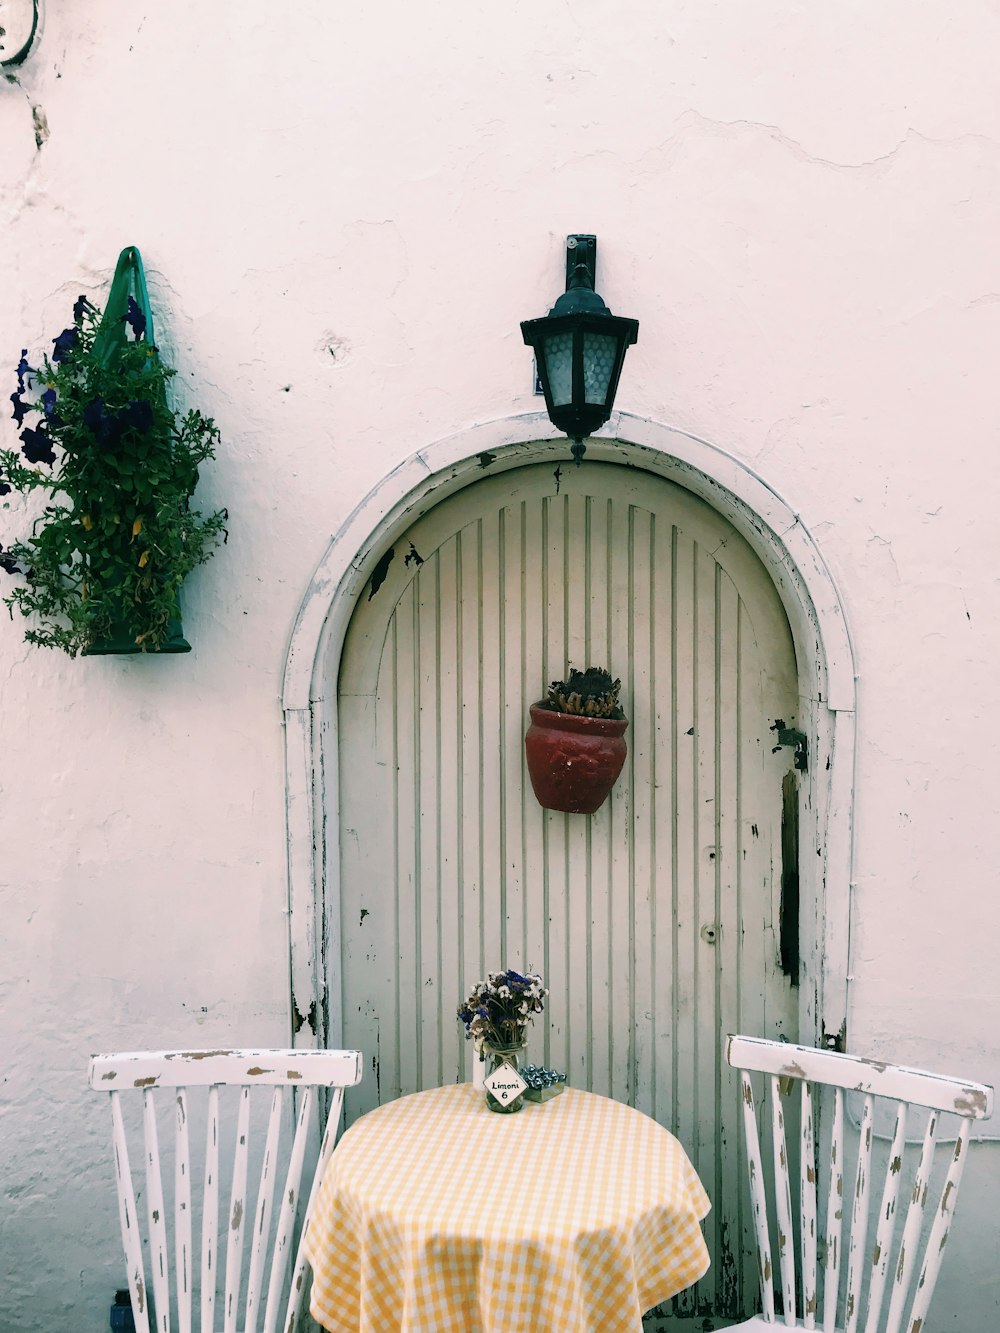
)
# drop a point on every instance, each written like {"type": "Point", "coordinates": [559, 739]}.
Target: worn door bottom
{"type": "Point", "coordinates": [663, 1320]}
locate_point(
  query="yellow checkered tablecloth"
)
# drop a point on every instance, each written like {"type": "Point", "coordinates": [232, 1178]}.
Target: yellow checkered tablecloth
{"type": "Point", "coordinates": [437, 1215]}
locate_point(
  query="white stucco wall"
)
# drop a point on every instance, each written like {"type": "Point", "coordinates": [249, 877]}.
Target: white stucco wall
{"type": "Point", "coordinates": [344, 215]}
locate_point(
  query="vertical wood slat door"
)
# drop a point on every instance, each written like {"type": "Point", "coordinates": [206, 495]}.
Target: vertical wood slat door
{"type": "Point", "coordinates": [655, 922]}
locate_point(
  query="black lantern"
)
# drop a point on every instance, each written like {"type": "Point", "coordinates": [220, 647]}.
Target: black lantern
{"type": "Point", "coordinates": [579, 349]}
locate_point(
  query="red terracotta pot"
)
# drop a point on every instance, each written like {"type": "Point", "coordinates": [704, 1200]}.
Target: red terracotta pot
{"type": "Point", "coordinates": [573, 761]}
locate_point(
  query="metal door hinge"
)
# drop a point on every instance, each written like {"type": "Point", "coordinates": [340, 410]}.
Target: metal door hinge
{"type": "Point", "coordinates": [790, 736]}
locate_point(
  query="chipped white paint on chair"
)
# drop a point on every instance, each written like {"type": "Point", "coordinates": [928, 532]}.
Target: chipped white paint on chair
{"type": "Point", "coordinates": [269, 1292]}
{"type": "Point", "coordinates": [868, 1264]}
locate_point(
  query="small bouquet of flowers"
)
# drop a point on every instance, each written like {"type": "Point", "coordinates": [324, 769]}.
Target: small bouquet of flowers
{"type": "Point", "coordinates": [498, 1010]}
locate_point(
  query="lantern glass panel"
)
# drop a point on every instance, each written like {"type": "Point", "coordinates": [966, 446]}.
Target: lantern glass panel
{"type": "Point", "coordinates": [599, 352]}
{"type": "Point", "coordinates": [558, 352]}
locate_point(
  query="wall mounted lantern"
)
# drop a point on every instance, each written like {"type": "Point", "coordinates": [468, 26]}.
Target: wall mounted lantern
{"type": "Point", "coordinates": [579, 349]}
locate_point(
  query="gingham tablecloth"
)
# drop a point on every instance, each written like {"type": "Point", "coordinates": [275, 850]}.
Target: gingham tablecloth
{"type": "Point", "coordinates": [437, 1215]}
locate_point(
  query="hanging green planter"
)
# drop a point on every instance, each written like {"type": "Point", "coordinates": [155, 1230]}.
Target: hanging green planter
{"type": "Point", "coordinates": [105, 560]}
{"type": "Point", "coordinates": [121, 641]}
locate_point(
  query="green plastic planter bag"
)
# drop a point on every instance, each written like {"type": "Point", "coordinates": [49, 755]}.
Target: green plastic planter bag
{"type": "Point", "coordinates": [122, 641]}
{"type": "Point", "coordinates": [129, 281]}
{"type": "Point", "coordinates": [104, 562]}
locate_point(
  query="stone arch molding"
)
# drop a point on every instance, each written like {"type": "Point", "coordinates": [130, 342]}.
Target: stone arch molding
{"type": "Point", "coordinates": [824, 655]}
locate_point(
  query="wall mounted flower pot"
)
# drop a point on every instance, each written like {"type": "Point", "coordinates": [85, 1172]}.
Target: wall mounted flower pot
{"type": "Point", "coordinates": [573, 761]}
{"type": "Point", "coordinates": [104, 563]}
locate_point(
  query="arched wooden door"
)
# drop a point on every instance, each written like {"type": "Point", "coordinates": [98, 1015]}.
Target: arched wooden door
{"type": "Point", "coordinates": [656, 923]}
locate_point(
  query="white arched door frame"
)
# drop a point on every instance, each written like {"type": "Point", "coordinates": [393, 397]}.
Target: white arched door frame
{"type": "Point", "coordinates": [824, 656]}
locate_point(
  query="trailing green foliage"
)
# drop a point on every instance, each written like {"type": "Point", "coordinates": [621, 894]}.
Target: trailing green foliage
{"type": "Point", "coordinates": [590, 693]}
{"type": "Point", "coordinates": [112, 546]}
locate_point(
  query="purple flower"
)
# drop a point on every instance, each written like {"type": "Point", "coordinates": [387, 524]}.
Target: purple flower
{"type": "Point", "coordinates": [135, 319]}
{"type": "Point", "coordinates": [21, 408]}
{"type": "Point", "coordinates": [96, 417]}
{"type": "Point", "coordinates": [4, 487]}
{"type": "Point", "coordinates": [24, 369]}
{"type": "Point", "coordinates": [80, 305]}
{"type": "Point", "coordinates": [138, 415]}
{"type": "Point", "coordinates": [64, 344]}
{"type": "Point", "coordinates": [36, 445]}
{"type": "Point", "coordinates": [7, 562]}
{"type": "Point", "coordinates": [94, 413]}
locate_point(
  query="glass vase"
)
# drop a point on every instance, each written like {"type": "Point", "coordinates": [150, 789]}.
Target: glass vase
{"type": "Point", "coordinates": [505, 1096]}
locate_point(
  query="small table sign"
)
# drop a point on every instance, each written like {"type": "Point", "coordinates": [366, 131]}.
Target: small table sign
{"type": "Point", "coordinates": [506, 1084]}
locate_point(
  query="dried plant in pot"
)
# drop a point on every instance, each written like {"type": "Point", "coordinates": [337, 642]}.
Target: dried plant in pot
{"type": "Point", "coordinates": [575, 746]}
{"type": "Point", "coordinates": [105, 557]}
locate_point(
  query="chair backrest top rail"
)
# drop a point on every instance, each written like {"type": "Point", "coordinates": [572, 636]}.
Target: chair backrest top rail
{"type": "Point", "coordinates": [185, 1069]}
{"type": "Point", "coordinates": [856, 1073]}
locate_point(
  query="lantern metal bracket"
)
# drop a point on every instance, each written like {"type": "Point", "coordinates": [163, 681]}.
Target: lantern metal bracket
{"type": "Point", "coordinates": [586, 344]}
{"type": "Point", "coordinates": [581, 261]}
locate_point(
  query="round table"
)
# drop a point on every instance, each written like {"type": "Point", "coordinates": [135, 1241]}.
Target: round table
{"type": "Point", "coordinates": [437, 1215]}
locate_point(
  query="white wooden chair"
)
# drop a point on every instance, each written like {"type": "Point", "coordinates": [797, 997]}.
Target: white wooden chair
{"type": "Point", "coordinates": [271, 1293]}
{"type": "Point", "coordinates": [872, 1264]}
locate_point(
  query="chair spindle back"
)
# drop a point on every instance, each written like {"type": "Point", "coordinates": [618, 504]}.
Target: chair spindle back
{"type": "Point", "coordinates": [253, 1303]}
{"type": "Point", "coordinates": [802, 1261]}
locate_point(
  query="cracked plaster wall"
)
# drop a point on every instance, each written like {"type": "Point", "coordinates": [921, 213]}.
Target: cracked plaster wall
{"type": "Point", "coordinates": [344, 215]}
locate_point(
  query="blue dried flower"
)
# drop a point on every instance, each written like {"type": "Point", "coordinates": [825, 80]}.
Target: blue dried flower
{"type": "Point", "coordinates": [499, 1009]}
